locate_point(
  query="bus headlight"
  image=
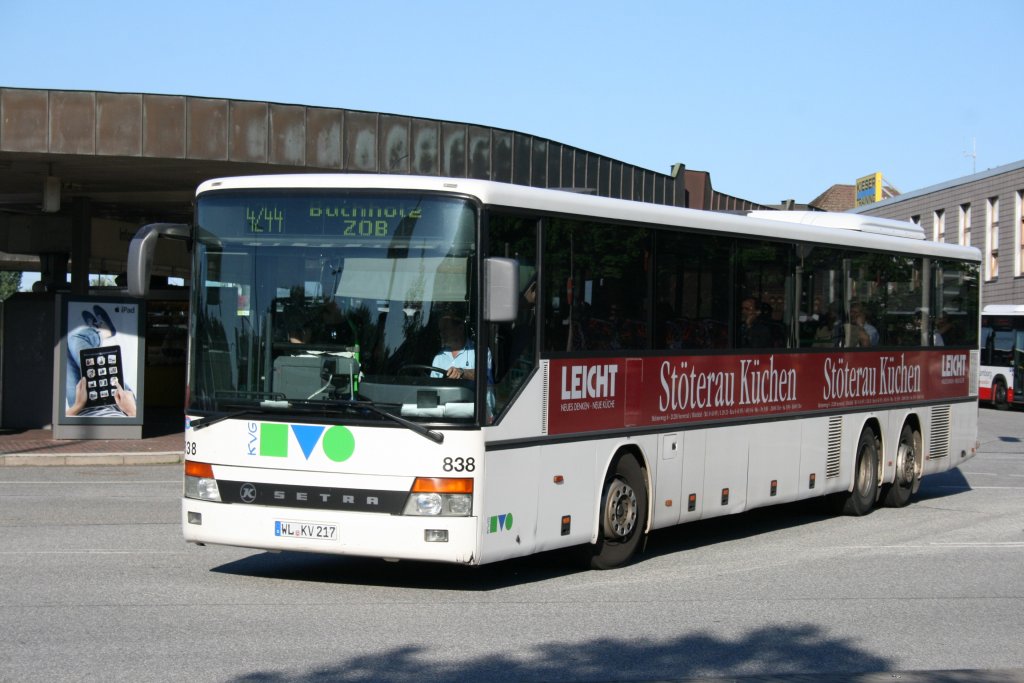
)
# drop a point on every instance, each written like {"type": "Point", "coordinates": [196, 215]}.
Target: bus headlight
{"type": "Point", "coordinates": [433, 497]}
{"type": "Point", "coordinates": [424, 504]}
{"type": "Point", "coordinates": [439, 504]}
{"type": "Point", "coordinates": [199, 482]}
{"type": "Point", "coordinates": [460, 504]}
{"type": "Point", "coordinates": [201, 488]}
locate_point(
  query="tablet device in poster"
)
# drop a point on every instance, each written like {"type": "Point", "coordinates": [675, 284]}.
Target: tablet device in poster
{"type": "Point", "coordinates": [102, 382]}
{"type": "Point", "coordinates": [102, 370]}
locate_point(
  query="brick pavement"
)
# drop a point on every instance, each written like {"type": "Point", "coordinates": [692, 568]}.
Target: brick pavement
{"type": "Point", "coordinates": [37, 447]}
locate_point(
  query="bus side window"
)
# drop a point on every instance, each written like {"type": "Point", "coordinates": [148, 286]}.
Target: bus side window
{"type": "Point", "coordinates": [765, 282]}
{"type": "Point", "coordinates": [691, 291]}
{"type": "Point", "coordinates": [596, 292]}
{"type": "Point", "coordinates": [513, 345]}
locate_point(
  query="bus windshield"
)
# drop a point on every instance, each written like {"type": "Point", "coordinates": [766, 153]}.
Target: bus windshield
{"type": "Point", "coordinates": [316, 302]}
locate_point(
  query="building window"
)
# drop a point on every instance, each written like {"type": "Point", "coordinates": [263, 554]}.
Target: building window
{"type": "Point", "coordinates": [965, 225]}
{"type": "Point", "coordinates": [1018, 229]}
{"type": "Point", "coordinates": [939, 226]}
{"type": "Point", "coordinates": [992, 239]}
{"type": "Point", "coordinates": [916, 220]}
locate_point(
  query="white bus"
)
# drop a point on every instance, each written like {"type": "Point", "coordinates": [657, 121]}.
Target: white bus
{"type": "Point", "coordinates": [1001, 376]}
{"type": "Point", "coordinates": [465, 371]}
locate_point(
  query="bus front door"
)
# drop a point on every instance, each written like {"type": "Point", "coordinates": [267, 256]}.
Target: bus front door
{"type": "Point", "coordinates": [1018, 367]}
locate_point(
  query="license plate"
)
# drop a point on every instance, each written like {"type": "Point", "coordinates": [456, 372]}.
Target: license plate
{"type": "Point", "coordinates": [294, 529]}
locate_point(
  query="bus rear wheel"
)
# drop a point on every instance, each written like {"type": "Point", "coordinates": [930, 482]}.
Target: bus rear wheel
{"type": "Point", "coordinates": [897, 494]}
{"type": "Point", "coordinates": [623, 515]}
{"type": "Point", "coordinates": [861, 499]}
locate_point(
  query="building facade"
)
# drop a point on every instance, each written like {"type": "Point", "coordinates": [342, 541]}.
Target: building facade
{"type": "Point", "coordinates": [983, 210]}
{"type": "Point", "coordinates": [81, 171]}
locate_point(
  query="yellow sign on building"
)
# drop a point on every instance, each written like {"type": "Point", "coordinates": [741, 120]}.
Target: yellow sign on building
{"type": "Point", "coordinates": [869, 189]}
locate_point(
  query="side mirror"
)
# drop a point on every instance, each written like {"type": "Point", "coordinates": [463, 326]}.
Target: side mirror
{"type": "Point", "coordinates": [141, 250]}
{"type": "Point", "coordinates": [501, 287]}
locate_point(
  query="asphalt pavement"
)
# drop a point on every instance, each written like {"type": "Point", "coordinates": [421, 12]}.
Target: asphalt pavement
{"type": "Point", "coordinates": [163, 442]}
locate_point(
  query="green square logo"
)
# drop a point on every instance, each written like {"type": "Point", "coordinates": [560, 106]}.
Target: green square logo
{"type": "Point", "coordinates": [274, 440]}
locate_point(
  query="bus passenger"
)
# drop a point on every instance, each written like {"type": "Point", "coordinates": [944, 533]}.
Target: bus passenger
{"type": "Point", "coordinates": [829, 331]}
{"type": "Point", "coordinates": [754, 330]}
{"type": "Point", "coordinates": [524, 334]}
{"type": "Point", "coordinates": [860, 332]}
{"type": "Point", "coordinates": [945, 333]}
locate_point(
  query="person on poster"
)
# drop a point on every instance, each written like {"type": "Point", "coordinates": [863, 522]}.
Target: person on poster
{"type": "Point", "coordinates": [94, 333]}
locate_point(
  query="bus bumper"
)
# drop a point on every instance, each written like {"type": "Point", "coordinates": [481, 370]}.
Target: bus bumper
{"type": "Point", "coordinates": [331, 532]}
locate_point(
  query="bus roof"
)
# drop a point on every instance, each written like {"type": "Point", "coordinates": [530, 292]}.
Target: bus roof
{"type": "Point", "coordinates": [845, 221]}
{"type": "Point", "coordinates": [862, 232]}
{"type": "Point", "coordinates": [1003, 309]}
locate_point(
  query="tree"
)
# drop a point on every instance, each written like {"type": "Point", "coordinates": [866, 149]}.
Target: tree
{"type": "Point", "coordinates": [10, 282]}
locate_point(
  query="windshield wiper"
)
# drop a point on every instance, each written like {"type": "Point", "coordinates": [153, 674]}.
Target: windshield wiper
{"type": "Point", "coordinates": [433, 435]}
{"type": "Point", "coordinates": [262, 409]}
{"type": "Point", "coordinates": [311, 407]}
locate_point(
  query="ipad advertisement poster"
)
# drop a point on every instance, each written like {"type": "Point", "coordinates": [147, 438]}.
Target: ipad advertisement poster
{"type": "Point", "coordinates": [100, 374]}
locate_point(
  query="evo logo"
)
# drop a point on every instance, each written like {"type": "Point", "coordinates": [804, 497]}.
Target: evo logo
{"type": "Point", "coordinates": [272, 440]}
{"type": "Point", "coordinates": [499, 523]}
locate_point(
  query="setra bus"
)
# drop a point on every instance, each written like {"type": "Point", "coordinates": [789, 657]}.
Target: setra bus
{"type": "Point", "coordinates": [465, 371]}
{"type": "Point", "coordinates": [1001, 374]}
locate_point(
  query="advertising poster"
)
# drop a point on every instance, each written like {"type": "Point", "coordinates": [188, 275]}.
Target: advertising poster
{"type": "Point", "coordinates": [100, 373]}
{"type": "Point", "coordinates": [607, 394]}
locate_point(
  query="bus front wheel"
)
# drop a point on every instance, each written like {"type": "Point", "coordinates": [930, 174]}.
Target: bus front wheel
{"type": "Point", "coordinates": [999, 395]}
{"type": "Point", "coordinates": [623, 515]}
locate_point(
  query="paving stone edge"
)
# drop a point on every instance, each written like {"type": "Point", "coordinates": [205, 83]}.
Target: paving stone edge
{"type": "Point", "coordinates": [77, 459]}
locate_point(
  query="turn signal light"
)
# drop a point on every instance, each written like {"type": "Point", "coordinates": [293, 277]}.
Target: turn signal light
{"type": "Point", "coordinates": [442, 485]}
{"type": "Point", "coordinates": [199, 482]}
{"type": "Point", "coordinates": [198, 469]}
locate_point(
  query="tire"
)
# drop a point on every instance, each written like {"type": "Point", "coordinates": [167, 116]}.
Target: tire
{"type": "Point", "coordinates": [623, 515]}
{"type": "Point", "coordinates": [999, 395]}
{"type": "Point", "coordinates": [908, 477]}
{"type": "Point", "coordinates": [862, 499]}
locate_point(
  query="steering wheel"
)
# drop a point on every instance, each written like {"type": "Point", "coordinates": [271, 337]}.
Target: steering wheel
{"type": "Point", "coordinates": [422, 368]}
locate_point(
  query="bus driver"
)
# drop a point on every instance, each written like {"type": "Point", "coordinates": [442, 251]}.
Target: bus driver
{"type": "Point", "coordinates": [457, 356]}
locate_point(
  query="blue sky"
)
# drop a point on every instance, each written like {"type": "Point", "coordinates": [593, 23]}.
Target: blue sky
{"type": "Point", "coordinates": [776, 99]}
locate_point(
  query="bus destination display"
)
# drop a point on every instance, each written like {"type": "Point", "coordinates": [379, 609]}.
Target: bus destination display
{"type": "Point", "coordinates": [362, 220]}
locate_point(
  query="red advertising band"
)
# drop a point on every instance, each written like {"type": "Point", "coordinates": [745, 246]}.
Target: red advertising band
{"type": "Point", "coordinates": [603, 394]}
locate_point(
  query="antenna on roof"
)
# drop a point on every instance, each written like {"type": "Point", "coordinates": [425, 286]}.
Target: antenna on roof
{"type": "Point", "coordinates": [973, 154]}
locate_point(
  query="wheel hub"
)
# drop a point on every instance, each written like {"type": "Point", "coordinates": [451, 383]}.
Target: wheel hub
{"type": "Point", "coordinates": [905, 465]}
{"type": "Point", "coordinates": [863, 482]}
{"type": "Point", "coordinates": [620, 512]}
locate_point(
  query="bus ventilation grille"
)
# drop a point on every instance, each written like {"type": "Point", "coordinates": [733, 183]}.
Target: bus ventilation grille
{"type": "Point", "coordinates": [835, 446]}
{"type": "Point", "coordinates": [544, 399]}
{"type": "Point", "coordinates": [939, 446]}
